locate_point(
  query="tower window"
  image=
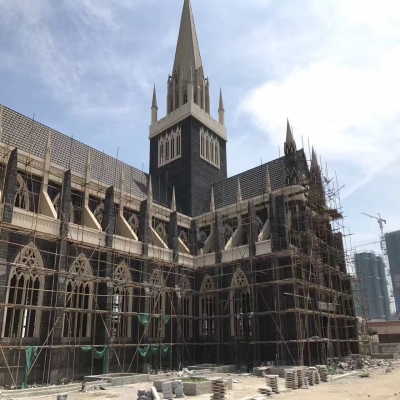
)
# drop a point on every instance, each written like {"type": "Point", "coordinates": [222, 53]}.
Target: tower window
{"type": "Point", "coordinates": [169, 147]}
{"type": "Point", "coordinates": [209, 147]}
{"type": "Point", "coordinates": [185, 97]}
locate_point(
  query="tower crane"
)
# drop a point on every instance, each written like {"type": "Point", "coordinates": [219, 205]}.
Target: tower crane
{"type": "Point", "coordinates": [382, 221]}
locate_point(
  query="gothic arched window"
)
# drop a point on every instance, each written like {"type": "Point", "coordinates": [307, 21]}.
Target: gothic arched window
{"type": "Point", "coordinates": [240, 305]}
{"type": "Point", "coordinates": [185, 96]}
{"type": "Point", "coordinates": [122, 302]}
{"type": "Point", "coordinates": [78, 299]}
{"type": "Point", "coordinates": [25, 288]}
{"type": "Point", "coordinates": [21, 198]}
{"type": "Point", "coordinates": [157, 305]}
{"type": "Point", "coordinates": [161, 151]}
{"type": "Point", "coordinates": [167, 150]}
{"type": "Point", "coordinates": [133, 222]}
{"type": "Point", "coordinates": [178, 143]}
{"type": "Point", "coordinates": [228, 233]}
{"type": "Point", "coordinates": [207, 147]}
{"type": "Point", "coordinates": [173, 144]}
{"type": "Point", "coordinates": [186, 307]}
{"type": "Point", "coordinates": [206, 307]}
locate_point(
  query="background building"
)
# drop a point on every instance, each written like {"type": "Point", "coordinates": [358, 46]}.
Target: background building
{"type": "Point", "coordinates": [393, 252]}
{"type": "Point", "coordinates": [370, 270]}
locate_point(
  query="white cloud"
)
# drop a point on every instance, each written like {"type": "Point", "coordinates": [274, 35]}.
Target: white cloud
{"type": "Point", "coordinates": [344, 106]}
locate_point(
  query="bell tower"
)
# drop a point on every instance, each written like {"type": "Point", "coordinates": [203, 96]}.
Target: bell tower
{"type": "Point", "coordinates": [188, 146]}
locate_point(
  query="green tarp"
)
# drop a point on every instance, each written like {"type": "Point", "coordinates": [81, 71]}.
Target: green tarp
{"type": "Point", "coordinates": [144, 319]}
{"type": "Point", "coordinates": [154, 348]}
{"type": "Point", "coordinates": [103, 354]}
{"type": "Point", "coordinates": [30, 354]}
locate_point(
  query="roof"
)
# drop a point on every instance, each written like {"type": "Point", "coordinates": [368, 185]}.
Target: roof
{"type": "Point", "coordinates": [253, 182]}
{"type": "Point", "coordinates": [31, 137]}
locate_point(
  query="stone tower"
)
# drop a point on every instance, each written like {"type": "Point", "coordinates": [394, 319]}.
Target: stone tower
{"type": "Point", "coordinates": [188, 146]}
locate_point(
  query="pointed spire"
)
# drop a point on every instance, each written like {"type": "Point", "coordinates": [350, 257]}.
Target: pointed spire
{"type": "Point", "coordinates": [88, 166]}
{"type": "Point", "coordinates": [150, 191]}
{"type": "Point", "coordinates": [154, 102]}
{"type": "Point", "coordinates": [221, 111]}
{"type": "Point", "coordinates": [212, 202]}
{"type": "Point", "coordinates": [268, 178]}
{"type": "Point", "coordinates": [290, 143]}
{"type": "Point", "coordinates": [239, 190]}
{"type": "Point", "coordinates": [314, 160]}
{"type": "Point", "coordinates": [221, 102]}
{"type": "Point", "coordinates": [289, 133]}
{"type": "Point", "coordinates": [173, 202]}
{"type": "Point", "coordinates": [187, 48]}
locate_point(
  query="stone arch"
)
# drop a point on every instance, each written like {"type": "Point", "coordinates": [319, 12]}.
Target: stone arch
{"type": "Point", "coordinates": [240, 305]}
{"type": "Point", "coordinates": [79, 298]}
{"type": "Point", "coordinates": [25, 287]}
{"type": "Point", "coordinates": [21, 197]}
{"type": "Point", "coordinates": [207, 307]}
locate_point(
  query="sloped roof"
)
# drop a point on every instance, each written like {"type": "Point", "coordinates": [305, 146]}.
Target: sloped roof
{"type": "Point", "coordinates": [253, 182]}
{"type": "Point", "coordinates": [31, 136]}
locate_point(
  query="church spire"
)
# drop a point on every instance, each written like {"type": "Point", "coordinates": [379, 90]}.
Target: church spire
{"type": "Point", "coordinates": [188, 67]}
{"type": "Point", "coordinates": [154, 107]}
{"type": "Point", "coordinates": [290, 143]}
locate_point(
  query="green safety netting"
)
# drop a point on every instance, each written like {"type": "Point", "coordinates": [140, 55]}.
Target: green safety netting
{"type": "Point", "coordinates": [154, 348]}
{"type": "Point", "coordinates": [144, 319]}
{"type": "Point", "coordinates": [103, 354]}
{"type": "Point", "coordinates": [30, 354]}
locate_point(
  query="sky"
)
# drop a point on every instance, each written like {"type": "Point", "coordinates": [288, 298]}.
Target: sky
{"type": "Point", "coordinates": [87, 68]}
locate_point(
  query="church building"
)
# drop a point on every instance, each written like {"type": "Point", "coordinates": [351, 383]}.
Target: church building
{"type": "Point", "coordinates": [108, 269]}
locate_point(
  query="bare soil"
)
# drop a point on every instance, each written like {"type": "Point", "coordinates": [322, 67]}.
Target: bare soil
{"type": "Point", "coordinates": [380, 385]}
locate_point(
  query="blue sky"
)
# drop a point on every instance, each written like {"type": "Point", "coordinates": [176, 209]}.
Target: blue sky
{"type": "Point", "coordinates": [87, 68]}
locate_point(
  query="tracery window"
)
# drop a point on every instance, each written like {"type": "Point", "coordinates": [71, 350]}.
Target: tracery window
{"type": "Point", "coordinates": [186, 307]}
{"type": "Point", "coordinates": [241, 324]}
{"type": "Point", "coordinates": [78, 299]}
{"type": "Point", "coordinates": [21, 198]}
{"type": "Point", "coordinates": [206, 307]}
{"type": "Point", "coordinates": [157, 305]}
{"type": "Point", "coordinates": [122, 302]}
{"type": "Point", "coordinates": [56, 205]}
{"type": "Point", "coordinates": [25, 288]}
{"type": "Point", "coordinates": [228, 233]}
{"type": "Point", "coordinates": [133, 222]}
{"type": "Point", "coordinates": [169, 146]}
{"type": "Point", "coordinates": [160, 229]}
{"type": "Point", "coordinates": [209, 147]}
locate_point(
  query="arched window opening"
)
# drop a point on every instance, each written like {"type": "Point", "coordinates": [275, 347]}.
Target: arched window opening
{"type": "Point", "coordinates": [241, 324]}
{"type": "Point", "coordinates": [184, 237]}
{"type": "Point", "coordinates": [160, 229]}
{"type": "Point", "coordinates": [99, 212]}
{"type": "Point", "coordinates": [228, 233]}
{"type": "Point", "coordinates": [25, 288]}
{"type": "Point", "coordinates": [122, 302]}
{"type": "Point", "coordinates": [186, 328]}
{"type": "Point", "coordinates": [133, 222]}
{"type": "Point", "coordinates": [161, 152]}
{"type": "Point", "coordinates": [167, 151]}
{"type": "Point", "coordinates": [21, 198]}
{"type": "Point", "coordinates": [185, 96]}
{"type": "Point", "coordinates": [173, 144]}
{"type": "Point", "coordinates": [78, 299]}
{"type": "Point", "coordinates": [207, 148]}
{"type": "Point", "coordinates": [206, 307]}
{"type": "Point", "coordinates": [157, 305]}
{"type": "Point", "coordinates": [178, 145]}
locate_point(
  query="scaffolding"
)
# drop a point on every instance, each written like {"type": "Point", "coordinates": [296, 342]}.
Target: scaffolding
{"type": "Point", "coordinates": [77, 308]}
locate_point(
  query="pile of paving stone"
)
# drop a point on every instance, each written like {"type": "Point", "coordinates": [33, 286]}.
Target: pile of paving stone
{"type": "Point", "coordinates": [218, 388]}
{"type": "Point", "coordinates": [323, 372]}
{"type": "Point", "coordinates": [272, 382]}
{"type": "Point", "coordinates": [291, 380]}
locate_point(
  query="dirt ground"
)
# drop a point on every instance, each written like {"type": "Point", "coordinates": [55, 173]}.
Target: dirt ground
{"type": "Point", "coordinates": [378, 386]}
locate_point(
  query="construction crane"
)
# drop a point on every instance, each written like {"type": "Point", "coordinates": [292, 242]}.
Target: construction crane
{"type": "Point", "coordinates": [382, 221]}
